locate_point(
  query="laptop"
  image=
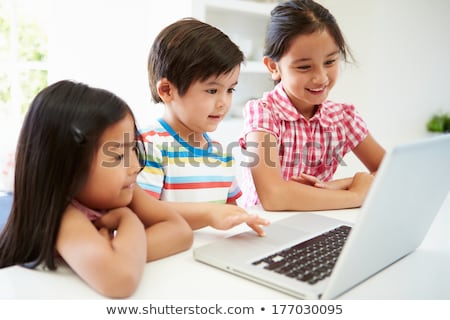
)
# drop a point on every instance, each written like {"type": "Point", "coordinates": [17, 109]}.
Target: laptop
{"type": "Point", "coordinates": [410, 186]}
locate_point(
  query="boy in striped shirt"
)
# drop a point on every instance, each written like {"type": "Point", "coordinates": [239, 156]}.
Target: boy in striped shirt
{"type": "Point", "coordinates": [193, 69]}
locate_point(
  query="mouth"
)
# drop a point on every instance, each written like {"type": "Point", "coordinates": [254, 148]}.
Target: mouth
{"type": "Point", "coordinates": [319, 90]}
{"type": "Point", "coordinates": [215, 117]}
{"type": "Point", "coordinates": [130, 186]}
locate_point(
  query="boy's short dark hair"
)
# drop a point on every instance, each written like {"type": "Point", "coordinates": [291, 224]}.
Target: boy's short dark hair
{"type": "Point", "coordinates": [190, 50]}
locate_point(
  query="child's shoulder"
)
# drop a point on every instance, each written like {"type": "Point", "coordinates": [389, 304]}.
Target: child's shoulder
{"type": "Point", "coordinates": [268, 104]}
{"type": "Point", "coordinates": [333, 108]}
{"type": "Point", "coordinates": [153, 125]}
{"type": "Point", "coordinates": [338, 106]}
{"type": "Point", "coordinates": [336, 112]}
{"type": "Point", "coordinates": [154, 131]}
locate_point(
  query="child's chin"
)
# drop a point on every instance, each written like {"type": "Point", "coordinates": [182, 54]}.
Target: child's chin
{"type": "Point", "coordinates": [212, 127]}
{"type": "Point", "coordinates": [125, 198]}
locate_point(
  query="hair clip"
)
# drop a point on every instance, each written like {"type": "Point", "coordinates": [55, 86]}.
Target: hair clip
{"type": "Point", "coordinates": [78, 136]}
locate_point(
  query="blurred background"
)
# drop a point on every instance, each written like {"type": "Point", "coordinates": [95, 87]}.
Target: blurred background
{"type": "Point", "coordinates": [399, 80]}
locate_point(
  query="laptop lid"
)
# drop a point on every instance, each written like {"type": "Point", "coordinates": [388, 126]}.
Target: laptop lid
{"type": "Point", "coordinates": [411, 184]}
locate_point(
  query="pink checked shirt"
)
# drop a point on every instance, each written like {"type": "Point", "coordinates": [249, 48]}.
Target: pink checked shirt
{"type": "Point", "coordinates": [315, 146]}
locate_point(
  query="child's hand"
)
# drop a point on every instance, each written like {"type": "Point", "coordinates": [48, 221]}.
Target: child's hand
{"type": "Point", "coordinates": [341, 184]}
{"type": "Point", "coordinates": [108, 223]}
{"type": "Point", "coordinates": [311, 181]}
{"type": "Point", "coordinates": [255, 222]}
{"type": "Point", "coordinates": [227, 216]}
{"type": "Point", "coordinates": [110, 220]}
{"type": "Point", "coordinates": [361, 184]}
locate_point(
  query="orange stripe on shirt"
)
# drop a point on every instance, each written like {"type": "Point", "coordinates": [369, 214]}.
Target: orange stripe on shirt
{"type": "Point", "coordinates": [153, 194]}
{"type": "Point", "coordinates": [154, 133]}
{"type": "Point", "coordinates": [198, 185]}
{"type": "Point", "coordinates": [236, 196]}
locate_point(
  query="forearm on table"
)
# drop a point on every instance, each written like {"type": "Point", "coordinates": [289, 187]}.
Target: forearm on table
{"type": "Point", "coordinates": [167, 238]}
{"type": "Point", "coordinates": [343, 183]}
{"type": "Point", "coordinates": [293, 196]}
{"type": "Point", "coordinates": [196, 214]}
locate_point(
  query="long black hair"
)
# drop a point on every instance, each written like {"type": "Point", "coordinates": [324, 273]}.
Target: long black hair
{"type": "Point", "coordinates": [57, 143]}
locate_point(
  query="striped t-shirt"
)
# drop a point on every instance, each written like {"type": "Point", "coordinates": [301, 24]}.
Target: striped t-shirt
{"type": "Point", "coordinates": [177, 171]}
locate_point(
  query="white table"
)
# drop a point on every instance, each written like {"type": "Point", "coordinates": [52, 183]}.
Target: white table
{"type": "Point", "coordinates": [421, 275]}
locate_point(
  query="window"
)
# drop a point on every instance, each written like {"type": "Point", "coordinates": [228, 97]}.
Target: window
{"type": "Point", "coordinates": [23, 54]}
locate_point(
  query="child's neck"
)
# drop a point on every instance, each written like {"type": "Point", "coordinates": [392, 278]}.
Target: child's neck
{"type": "Point", "coordinates": [308, 112]}
{"type": "Point", "coordinates": [195, 139]}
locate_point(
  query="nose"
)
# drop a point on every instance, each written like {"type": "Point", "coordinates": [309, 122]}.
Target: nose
{"type": "Point", "coordinates": [135, 165]}
{"type": "Point", "coordinates": [320, 76]}
{"type": "Point", "coordinates": [224, 101]}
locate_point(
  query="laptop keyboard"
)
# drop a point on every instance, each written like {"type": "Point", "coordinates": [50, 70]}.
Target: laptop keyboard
{"type": "Point", "coordinates": [309, 261]}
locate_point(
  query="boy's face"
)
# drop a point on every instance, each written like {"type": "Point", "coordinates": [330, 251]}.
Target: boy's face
{"type": "Point", "coordinates": [203, 106]}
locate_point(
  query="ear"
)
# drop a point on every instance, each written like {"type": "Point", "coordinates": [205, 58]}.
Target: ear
{"type": "Point", "coordinates": [272, 66]}
{"type": "Point", "coordinates": [165, 89]}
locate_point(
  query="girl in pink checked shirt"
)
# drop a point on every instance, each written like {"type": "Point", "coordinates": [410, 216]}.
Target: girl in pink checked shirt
{"type": "Point", "coordinates": [295, 137]}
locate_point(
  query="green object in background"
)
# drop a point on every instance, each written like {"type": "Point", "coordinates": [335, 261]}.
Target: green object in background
{"type": "Point", "coordinates": [23, 54]}
{"type": "Point", "coordinates": [439, 123]}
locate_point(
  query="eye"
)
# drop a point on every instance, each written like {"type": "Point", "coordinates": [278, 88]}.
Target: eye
{"type": "Point", "coordinates": [119, 157]}
{"type": "Point", "coordinates": [212, 91]}
{"type": "Point", "coordinates": [330, 62]}
{"type": "Point", "coordinates": [231, 90]}
{"type": "Point", "coordinates": [134, 147]}
{"type": "Point", "coordinates": [139, 149]}
{"type": "Point", "coordinates": [303, 68]}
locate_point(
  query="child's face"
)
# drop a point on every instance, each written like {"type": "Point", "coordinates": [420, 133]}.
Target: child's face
{"type": "Point", "coordinates": [308, 69]}
{"type": "Point", "coordinates": [113, 172]}
{"type": "Point", "coordinates": [204, 105]}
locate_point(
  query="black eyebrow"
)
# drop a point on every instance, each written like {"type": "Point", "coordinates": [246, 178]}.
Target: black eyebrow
{"type": "Point", "coordinates": [308, 59]}
{"type": "Point", "coordinates": [116, 145]}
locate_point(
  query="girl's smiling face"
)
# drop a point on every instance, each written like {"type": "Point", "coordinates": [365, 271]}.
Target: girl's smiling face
{"type": "Point", "coordinates": [308, 70]}
{"type": "Point", "coordinates": [113, 170]}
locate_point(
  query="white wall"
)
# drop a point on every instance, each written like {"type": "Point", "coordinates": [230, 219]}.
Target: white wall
{"type": "Point", "coordinates": [403, 50]}
{"type": "Point", "coordinates": [401, 47]}
{"type": "Point", "coordinates": [105, 43]}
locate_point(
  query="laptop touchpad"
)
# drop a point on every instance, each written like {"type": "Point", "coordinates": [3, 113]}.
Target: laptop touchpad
{"type": "Point", "coordinates": [275, 235]}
